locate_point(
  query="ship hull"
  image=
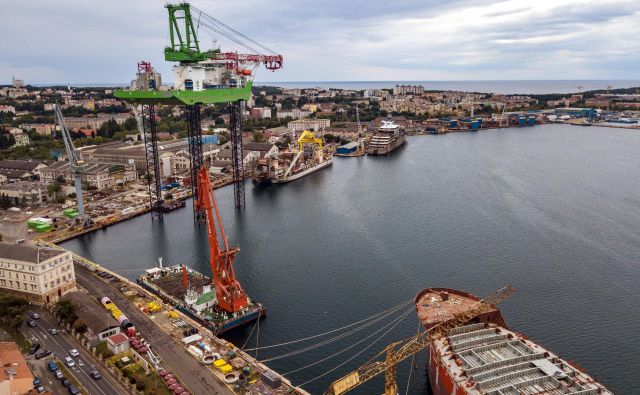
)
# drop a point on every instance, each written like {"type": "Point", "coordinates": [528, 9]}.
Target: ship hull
{"type": "Point", "coordinates": [303, 173]}
{"type": "Point", "coordinates": [386, 150]}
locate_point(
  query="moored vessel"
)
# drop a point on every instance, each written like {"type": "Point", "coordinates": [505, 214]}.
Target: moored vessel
{"type": "Point", "coordinates": [293, 163]}
{"type": "Point", "coordinates": [486, 357]}
{"type": "Point", "coordinates": [387, 139]}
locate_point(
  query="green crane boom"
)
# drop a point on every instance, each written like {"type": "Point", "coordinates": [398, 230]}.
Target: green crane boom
{"type": "Point", "coordinates": [184, 41]}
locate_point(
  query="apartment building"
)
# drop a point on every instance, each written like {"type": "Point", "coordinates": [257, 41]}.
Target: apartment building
{"type": "Point", "coordinates": [40, 274]}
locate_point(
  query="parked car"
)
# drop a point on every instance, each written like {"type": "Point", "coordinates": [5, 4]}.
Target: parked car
{"type": "Point", "coordinates": [37, 382]}
{"type": "Point", "coordinates": [59, 375]}
{"type": "Point", "coordinates": [40, 389]}
{"type": "Point", "coordinates": [52, 366]}
{"type": "Point", "coordinates": [53, 331]}
{"type": "Point", "coordinates": [73, 390]}
{"type": "Point", "coordinates": [69, 362]}
{"type": "Point", "coordinates": [35, 316]}
{"type": "Point", "coordinates": [42, 353]}
{"type": "Point", "coordinates": [96, 375]}
{"type": "Point", "coordinates": [73, 352]}
{"type": "Point", "coordinates": [35, 347]}
{"type": "Point", "coordinates": [65, 382]}
{"type": "Point", "coordinates": [31, 323]}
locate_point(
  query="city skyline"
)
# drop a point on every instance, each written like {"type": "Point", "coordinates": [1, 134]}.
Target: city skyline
{"type": "Point", "coordinates": [70, 42]}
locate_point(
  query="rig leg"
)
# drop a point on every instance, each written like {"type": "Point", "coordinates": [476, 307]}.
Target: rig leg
{"type": "Point", "coordinates": [151, 154]}
{"type": "Point", "coordinates": [194, 129]}
{"type": "Point", "coordinates": [237, 157]}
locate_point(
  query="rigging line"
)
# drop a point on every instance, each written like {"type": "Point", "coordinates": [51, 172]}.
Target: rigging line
{"type": "Point", "coordinates": [411, 366]}
{"type": "Point", "coordinates": [322, 343]}
{"type": "Point", "coordinates": [356, 355]}
{"type": "Point", "coordinates": [212, 19]}
{"type": "Point", "coordinates": [337, 329]}
{"type": "Point", "coordinates": [257, 338]}
{"type": "Point", "coordinates": [346, 349]}
{"type": "Point", "coordinates": [230, 37]}
{"type": "Point", "coordinates": [251, 333]}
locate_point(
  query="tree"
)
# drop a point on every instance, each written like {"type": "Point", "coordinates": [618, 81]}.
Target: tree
{"type": "Point", "coordinates": [258, 137]}
{"type": "Point", "coordinates": [219, 121]}
{"type": "Point", "coordinates": [109, 128]}
{"type": "Point", "coordinates": [12, 309]}
{"type": "Point", "coordinates": [65, 310]}
{"type": "Point", "coordinates": [130, 124]}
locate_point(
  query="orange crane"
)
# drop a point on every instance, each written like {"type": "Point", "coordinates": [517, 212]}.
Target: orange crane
{"type": "Point", "coordinates": [231, 297]}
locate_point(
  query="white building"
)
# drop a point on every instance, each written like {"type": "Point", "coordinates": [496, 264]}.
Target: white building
{"type": "Point", "coordinates": [40, 274]}
{"type": "Point", "coordinates": [294, 114]}
{"type": "Point", "coordinates": [309, 124]}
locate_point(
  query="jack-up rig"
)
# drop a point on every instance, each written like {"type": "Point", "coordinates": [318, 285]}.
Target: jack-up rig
{"type": "Point", "coordinates": [200, 77]}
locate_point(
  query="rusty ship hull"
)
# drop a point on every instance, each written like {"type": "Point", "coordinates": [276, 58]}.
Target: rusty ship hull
{"type": "Point", "coordinates": [484, 356]}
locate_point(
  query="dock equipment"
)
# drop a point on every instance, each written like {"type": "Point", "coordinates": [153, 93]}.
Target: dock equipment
{"type": "Point", "coordinates": [200, 77]}
{"type": "Point", "coordinates": [78, 166]}
{"type": "Point", "coordinates": [399, 351]}
{"type": "Point", "coordinates": [230, 295]}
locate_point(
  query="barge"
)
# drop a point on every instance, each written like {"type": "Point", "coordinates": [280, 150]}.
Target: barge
{"type": "Point", "coordinates": [486, 357]}
{"type": "Point", "coordinates": [198, 299]}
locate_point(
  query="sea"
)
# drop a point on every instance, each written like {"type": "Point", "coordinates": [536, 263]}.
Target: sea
{"type": "Point", "coordinates": [537, 87]}
{"type": "Point", "coordinates": [553, 210]}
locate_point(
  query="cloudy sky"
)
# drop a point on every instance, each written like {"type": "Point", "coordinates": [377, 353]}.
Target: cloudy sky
{"type": "Point", "coordinates": [331, 40]}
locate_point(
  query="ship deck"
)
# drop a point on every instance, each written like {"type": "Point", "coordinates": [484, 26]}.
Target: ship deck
{"type": "Point", "coordinates": [440, 304]}
{"type": "Point", "coordinates": [490, 359]}
{"type": "Point", "coordinates": [171, 283]}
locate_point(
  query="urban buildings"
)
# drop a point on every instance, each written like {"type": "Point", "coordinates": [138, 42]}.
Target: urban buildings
{"type": "Point", "coordinates": [27, 193]}
{"type": "Point", "coordinates": [15, 376]}
{"type": "Point", "coordinates": [95, 175]}
{"type": "Point", "coordinates": [408, 90]}
{"type": "Point", "coordinates": [42, 275]}
{"type": "Point", "coordinates": [309, 124]}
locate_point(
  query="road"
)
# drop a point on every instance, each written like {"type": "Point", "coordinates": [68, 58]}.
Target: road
{"type": "Point", "coordinates": [197, 378]}
{"type": "Point", "coordinates": [60, 345]}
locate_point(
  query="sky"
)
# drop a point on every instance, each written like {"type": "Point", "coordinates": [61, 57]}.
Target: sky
{"type": "Point", "coordinates": [66, 41]}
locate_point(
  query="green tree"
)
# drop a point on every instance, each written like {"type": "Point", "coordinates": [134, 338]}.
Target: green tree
{"type": "Point", "coordinates": [65, 310]}
{"type": "Point", "coordinates": [130, 124]}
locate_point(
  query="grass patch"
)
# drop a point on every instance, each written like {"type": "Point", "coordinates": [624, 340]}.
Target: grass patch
{"type": "Point", "coordinates": [151, 384]}
{"type": "Point", "coordinates": [17, 336]}
{"type": "Point", "coordinates": [101, 348]}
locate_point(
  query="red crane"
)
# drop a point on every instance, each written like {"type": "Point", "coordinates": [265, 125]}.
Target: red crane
{"type": "Point", "coordinates": [231, 297]}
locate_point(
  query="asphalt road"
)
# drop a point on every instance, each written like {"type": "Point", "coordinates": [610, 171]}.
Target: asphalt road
{"type": "Point", "coordinates": [197, 378]}
{"type": "Point", "coordinates": [60, 345]}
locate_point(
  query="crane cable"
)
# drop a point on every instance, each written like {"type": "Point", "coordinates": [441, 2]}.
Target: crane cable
{"type": "Point", "coordinates": [411, 366]}
{"type": "Point", "coordinates": [331, 340]}
{"type": "Point", "coordinates": [399, 320]}
{"type": "Point", "coordinates": [216, 21]}
{"type": "Point", "coordinates": [229, 36]}
{"type": "Point", "coordinates": [337, 329]}
{"type": "Point", "coordinates": [351, 346]}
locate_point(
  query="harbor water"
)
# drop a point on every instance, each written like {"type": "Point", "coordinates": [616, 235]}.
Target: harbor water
{"type": "Point", "coordinates": [553, 210]}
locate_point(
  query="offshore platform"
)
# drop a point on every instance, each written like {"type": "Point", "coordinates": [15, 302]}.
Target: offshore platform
{"type": "Point", "coordinates": [200, 77]}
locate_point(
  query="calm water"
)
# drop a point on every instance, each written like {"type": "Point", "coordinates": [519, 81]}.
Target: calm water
{"type": "Point", "coordinates": [502, 87]}
{"type": "Point", "coordinates": [553, 210]}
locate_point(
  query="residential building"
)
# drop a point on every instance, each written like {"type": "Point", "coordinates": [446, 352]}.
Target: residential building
{"type": "Point", "coordinates": [94, 122]}
{"type": "Point", "coordinates": [260, 112]}
{"type": "Point", "coordinates": [95, 175]}
{"type": "Point", "coordinates": [15, 376]}
{"type": "Point", "coordinates": [118, 343]}
{"type": "Point", "coordinates": [293, 114]}
{"type": "Point", "coordinates": [40, 274]}
{"type": "Point", "coordinates": [292, 92]}
{"type": "Point", "coordinates": [4, 108]}
{"type": "Point", "coordinates": [30, 193]}
{"type": "Point", "coordinates": [308, 124]}
{"type": "Point", "coordinates": [44, 129]}
{"type": "Point", "coordinates": [22, 139]}
{"type": "Point", "coordinates": [408, 90]}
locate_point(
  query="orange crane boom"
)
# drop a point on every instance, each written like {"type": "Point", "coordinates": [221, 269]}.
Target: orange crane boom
{"type": "Point", "coordinates": [231, 297]}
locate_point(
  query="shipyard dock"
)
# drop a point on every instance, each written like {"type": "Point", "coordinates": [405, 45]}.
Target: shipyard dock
{"type": "Point", "coordinates": [165, 336]}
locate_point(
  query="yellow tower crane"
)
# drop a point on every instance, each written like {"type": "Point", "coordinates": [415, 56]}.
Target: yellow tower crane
{"type": "Point", "coordinates": [308, 137]}
{"type": "Point", "coordinates": [399, 351]}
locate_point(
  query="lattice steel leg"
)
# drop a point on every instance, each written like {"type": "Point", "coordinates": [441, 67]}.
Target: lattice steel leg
{"type": "Point", "coordinates": [151, 155]}
{"type": "Point", "coordinates": [237, 157]}
{"type": "Point", "coordinates": [194, 129]}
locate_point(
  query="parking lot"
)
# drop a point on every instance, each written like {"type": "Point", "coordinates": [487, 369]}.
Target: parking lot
{"type": "Point", "coordinates": [60, 345]}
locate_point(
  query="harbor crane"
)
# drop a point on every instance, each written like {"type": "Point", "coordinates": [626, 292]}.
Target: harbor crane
{"type": "Point", "coordinates": [200, 77]}
{"type": "Point", "coordinates": [401, 350]}
{"type": "Point", "coordinates": [229, 293]}
{"type": "Point", "coordinates": [78, 166]}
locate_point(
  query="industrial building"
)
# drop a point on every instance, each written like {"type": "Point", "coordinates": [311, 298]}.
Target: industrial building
{"type": "Point", "coordinates": [100, 323]}
{"type": "Point", "coordinates": [21, 170]}
{"type": "Point", "coordinates": [95, 175]}
{"type": "Point", "coordinates": [31, 193]}
{"type": "Point", "coordinates": [42, 275]}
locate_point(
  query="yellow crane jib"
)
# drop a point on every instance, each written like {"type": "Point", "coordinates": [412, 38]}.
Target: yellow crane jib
{"type": "Point", "coordinates": [308, 137]}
